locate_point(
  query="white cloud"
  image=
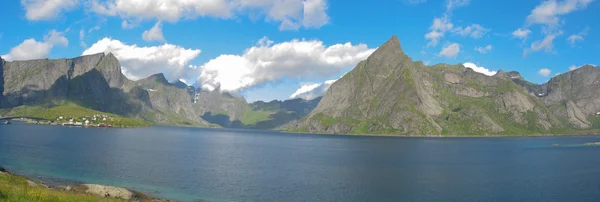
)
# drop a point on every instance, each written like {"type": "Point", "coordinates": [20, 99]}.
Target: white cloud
{"type": "Point", "coordinates": [129, 24]}
{"type": "Point", "coordinates": [521, 33]}
{"type": "Point", "coordinates": [81, 37]}
{"type": "Point", "coordinates": [437, 30]}
{"type": "Point", "coordinates": [545, 44]}
{"type": "Point", "coordinates": [141, 62]}
{"type": "Point", "coordinates": [268, 62]}
{"type": "Point", "coordinates": [315, 13]}
{"type": "Point", "coordinates": [32, 49]}
{"type": "Point", "coordinates": [442, 25]}
{"type": "Point", "coordinates": [482, 70]}
{"type": "Point", "coordinates": [46, 9]}
{"type": "Point", "coordinates": [574, 38]}
{"type": "Point", "coordinates": [450, 50]}
{"type": "Point", "coordinates": [312, 91]}
{"type": "Point", "coordinates": [475, 31]}
{"type": "Point", "coordinates": [291, 14]}
{"type": "Point", "coordinates": [154, 34]}
{"type": "Point", "coordinates": [545, 72]}
{"type": "Point", "coordinates": [484, 50]}
{"type": "Point", "coordinates": [453, 4]}
{"type": "Point", "coordinates": [549, 12]}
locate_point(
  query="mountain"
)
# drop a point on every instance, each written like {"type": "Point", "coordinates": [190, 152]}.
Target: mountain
{"type": "Point", "coordinates": [389, 93]}
{"type": "Point", "coordinates": [95, 82]}
{"type": "Point", "coordinates": [231, 111]}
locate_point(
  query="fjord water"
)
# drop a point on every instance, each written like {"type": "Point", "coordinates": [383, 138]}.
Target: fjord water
{"type": "Point", "coordinates": [192, 164]}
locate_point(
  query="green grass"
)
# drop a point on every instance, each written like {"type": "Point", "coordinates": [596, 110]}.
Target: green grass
{"type": "Point", "coordinates": [15, 189]}
{"type": "Point", "coordinates": [71, 110]}
{"type": "Point", "coordinates": [252, 117]}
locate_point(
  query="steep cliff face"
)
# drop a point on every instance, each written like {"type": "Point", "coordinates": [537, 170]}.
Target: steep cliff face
{"type": "Point", "coordinates": [94, 81]}
{"type": "Point", "coordinates": [388, 93]}
{"type": "Point", "coordinates": [170, 99]}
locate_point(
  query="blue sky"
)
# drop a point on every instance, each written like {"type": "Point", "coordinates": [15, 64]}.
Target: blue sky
{"type": "Point", "coordinates": [269, 49]}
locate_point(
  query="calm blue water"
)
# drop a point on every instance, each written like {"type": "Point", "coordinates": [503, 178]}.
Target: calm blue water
{"type": "Point", "coordinates": [190, 164]}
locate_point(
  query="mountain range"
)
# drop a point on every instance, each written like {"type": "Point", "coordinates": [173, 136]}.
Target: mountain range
{"type": "Point", "coordinates": [388, 93]}
{"type": "Point", "coordinates": [96, 82]}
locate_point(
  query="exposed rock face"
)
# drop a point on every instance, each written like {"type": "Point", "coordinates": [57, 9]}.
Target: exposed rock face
{"type": "Point", "coordinates": [170, 99]}
{"type": "Point", "coordinates": [94, 81]}
{"type": "Point", "coordinates": [388, 93]}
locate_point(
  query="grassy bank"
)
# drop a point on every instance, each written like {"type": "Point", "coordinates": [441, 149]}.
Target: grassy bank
{"type": "Point", "coordinates": [67, 111]}
{"type": "Point", "coordinates": [16, 189]}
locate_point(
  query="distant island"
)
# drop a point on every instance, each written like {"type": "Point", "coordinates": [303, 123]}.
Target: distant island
{"type": "Point", "coordinates": [386, 94]}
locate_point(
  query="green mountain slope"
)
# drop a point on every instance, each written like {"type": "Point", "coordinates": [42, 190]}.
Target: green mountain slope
{"type": "Point", "coordinates": [388, 93]}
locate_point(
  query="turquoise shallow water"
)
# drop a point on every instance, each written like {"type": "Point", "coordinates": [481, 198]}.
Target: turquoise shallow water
{"type": "Point", "coordinates": [191, 164]}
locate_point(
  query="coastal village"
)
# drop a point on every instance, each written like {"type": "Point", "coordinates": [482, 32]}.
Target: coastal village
{"type": "Point", "coordinates": [96, 120]}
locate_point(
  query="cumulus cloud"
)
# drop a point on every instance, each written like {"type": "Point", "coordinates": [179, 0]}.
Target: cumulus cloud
{"type": "Point", "coordinates": [450, 50]}
{"type": "Point", "coordinates": [544, 72]}
{"type": "Point", "coordinates": [482, 70]}
{"type": "Point", "coordinates": [437, 30]}
{"type": "Point", "coordinates": [46, 9]}
{"type": "Point", "coordinates": [268, 62]}
{"type": "Point", "coordinates": [315, 13]}
{"type": "Point", "coordinates": [141, 62]}
{"type": "Point", "coordinates": [521, 33]}
{"type": "Point", "coordinates": [312, 91]}
{"type": "Point", "coordinates": [154, 34]}
{"type": "Point", "coordinates": [291, 14]}
{"type": "Point", "coordinates": [549, 12]}
{"type": "Point", "coordinates": [484, 50]}
{"type": "Point", "coordinates": [32, 49]}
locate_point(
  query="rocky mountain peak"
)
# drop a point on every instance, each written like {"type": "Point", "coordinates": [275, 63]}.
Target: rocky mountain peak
{"type": "Point", "coordinates": [160, 77]}
{"type": "Point", "coordinates": [391, 47]}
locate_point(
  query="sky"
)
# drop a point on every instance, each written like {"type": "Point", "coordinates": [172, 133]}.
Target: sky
{"type": "Point", "coordinates": [282, 49]}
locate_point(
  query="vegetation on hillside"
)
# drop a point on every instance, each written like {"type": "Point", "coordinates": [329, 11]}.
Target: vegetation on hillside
{"type": "Point", "coordinates": [67, 111]}
{"type": "Point", "coordinates": [16, 189]}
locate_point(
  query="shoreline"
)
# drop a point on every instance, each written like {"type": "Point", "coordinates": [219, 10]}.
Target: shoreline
{"type": "Point", "coordinates": [96, 190]}
{"type": "Point", "coordinates": [575, 134]}
{"type": "Point", "coordinates": [26, 121]}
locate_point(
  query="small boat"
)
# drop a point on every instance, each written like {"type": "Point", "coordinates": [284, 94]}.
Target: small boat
{"type": "Point", "coordinates": [7, 122]}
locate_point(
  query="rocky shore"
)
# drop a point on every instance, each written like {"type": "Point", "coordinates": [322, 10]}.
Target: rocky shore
{"type": "Point", "coordinates": [101, 191]}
